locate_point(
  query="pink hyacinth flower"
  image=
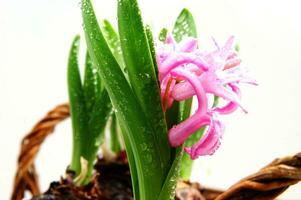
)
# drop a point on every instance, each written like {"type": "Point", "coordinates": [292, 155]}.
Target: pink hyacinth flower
{"type": "Point", "coordinates": [184, 72]}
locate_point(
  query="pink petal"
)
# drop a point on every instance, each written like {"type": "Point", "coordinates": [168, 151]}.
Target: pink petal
{"type": "Point", "coordinates": [238, 75]}
{"type": "Point", "coordinates": [231, 106]}
{"type": "Point", "coordinates": [179, 133]}
{"type": "Point", "coordinates": [227, 49]}
{"type": "Point", "coordinates": [187, 45]}
{"type": "Point", "coordinates": [170, 39]}
{"type": "Point", "coordinates": [194, 69]}
{"type": "Point", "coordinates": [184, 90]}
{"type": "Point", "coordinates": [209, 142]}
{"type": "Point", "coordinates": [179, 59]}
{"type": "Point", "coordinates": [233, 62]}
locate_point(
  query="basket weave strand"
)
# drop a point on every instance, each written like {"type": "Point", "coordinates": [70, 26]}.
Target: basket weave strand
{"type": "Point", "coordinates": [269, 182]}
{"type": "Point", "coordinates": [26, 178]}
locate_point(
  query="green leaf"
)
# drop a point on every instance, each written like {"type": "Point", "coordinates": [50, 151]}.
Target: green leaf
{"type": "Point", "coordinates": [114, 139]}
{"type": "Point", "coordinates": [163, 34]}
{"type": "Point", "coordinates": [172, 115]}
{"type": "Point", "coordinates": [216, 101]}
{"type": "Point", "coordinates": [100, 114]}
{"type": "Point", "coordinates": [142, 73]}
{"type": "Point", "coordinates": [77, 104]}
{"type": "Point", "coordinates": [95, 130]}
{"type": "Point", "coordinates": [184, 26]}
{"type": "Point", "coordinates": [237, 47]}
{"type": "Point", "coordinates": [113, 41]}
{"type": "Point", "coordinates": [135, 172]}
{"type": "Point", "coordinates": [151, 44]}
{"type": "Point", "coordinates": [169, 188]}
{"type": "Point", "coordinates": [140, 144]}
{"type": "Point", "coordinates": [143, 78]}
{"type": "Point", "coordinates": [93, 118]}
{"type": "Point", "coordinates": [92, 84]}
{"type": "Point", "coordinates": [184, 109]}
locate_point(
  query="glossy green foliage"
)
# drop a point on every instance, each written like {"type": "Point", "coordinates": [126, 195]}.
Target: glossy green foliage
{"type": "Point", "coordinates": [142, 74]}
{"type": "Point", "coordinates": [151, 44]}
{"type": "Point", "coordinates": [169, 188]}
{"type": "Point", "coordinates": [113, 41]}
{"type": "Point", "coordinates": [77, 104]}
{"type": "Point", "coordinates": [146, 157]}
{"type": "Point", "coordinates": [90, 107]}
{"type": "Point", "coordinates": [126, 63]}
{"type": "Point", "coordinates": [115, 138]}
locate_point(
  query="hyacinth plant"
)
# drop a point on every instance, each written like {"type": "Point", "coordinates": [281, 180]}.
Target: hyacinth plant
{"type": "Point", "coordinates": [141, 88]}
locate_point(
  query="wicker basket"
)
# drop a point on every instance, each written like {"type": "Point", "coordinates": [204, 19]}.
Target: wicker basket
{"type": "Point", "coordinates": [267, 183]}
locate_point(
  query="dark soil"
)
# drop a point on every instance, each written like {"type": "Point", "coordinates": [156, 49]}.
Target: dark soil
{"type": "Point", "coordinates": [113, 182]}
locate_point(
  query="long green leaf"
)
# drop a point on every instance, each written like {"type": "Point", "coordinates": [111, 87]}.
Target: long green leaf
{"type": "Point", "coordinates": [143, 78]}
{"type": "Point", "coordinates": [114, 139]}
{"type": "Point", "coordinates": [100, 113]}
{"type": "Point", "coordinates": [95, 130]}
{"type": "Point", "coordinates": [139, 141]}
{"type": "Point", "coordinates": [113, 41]}
{"type": "Point", "coordinates": [92, 84]}
{"type": "Point", "coordinates": [77, 104]}
{"type": "Point", "coordinates": [151, 45]}
{"type": "Point", "coordinates": [169, 188]}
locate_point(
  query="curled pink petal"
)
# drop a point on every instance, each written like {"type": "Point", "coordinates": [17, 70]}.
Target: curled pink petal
{"type": "Point", "coordinates": [179, 59]}
{"type": "Point", "coordinates": [182, 91]}
{"type": "Point", "coordinates": [194, 69]}
{"type": "Point", "coordinates": [209, 142]}
{"type": "Point", "coordinates": [179, 133]}
{"type": "Point", "coordinates": [231, 106]}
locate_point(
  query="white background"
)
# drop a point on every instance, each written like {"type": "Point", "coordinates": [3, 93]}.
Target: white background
{"type": "Point", "coordinates": [35, 37]}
